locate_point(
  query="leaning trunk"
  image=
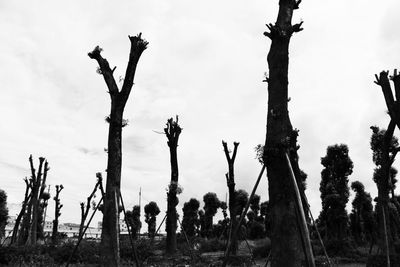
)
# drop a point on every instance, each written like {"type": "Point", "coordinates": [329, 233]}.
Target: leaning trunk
{"type": "Point", "coordinates": [286, 244]}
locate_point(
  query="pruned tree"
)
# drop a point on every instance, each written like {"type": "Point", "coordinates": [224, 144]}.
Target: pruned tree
{"type": "Point", "coordinates": [133, 219]}
{"type": "Point", "coordinates": [281, 138]}
{"type": "Point", "coordinates": [230, 181]}
{"type": "Point", "coordinates": [190, 220]}
{"type": "Point", "coordinates": [172, 131]}
{"type": "Point", "coordinates": [3, 213]}
{"type": "Point", "coordinates": [384, 148]}
{"type": "Point", "coordinates": [57, 213]}
{"type": "Point", "coordinates": [334, 190]}
{"type": "Point", "coordinates": [211, 205]}
{"type": "Point", "coordinates": [110, 232]}
{"type": "Point", "coordinates": [86, 207]}
{"type": "Point", "coordinates": [151, 211]}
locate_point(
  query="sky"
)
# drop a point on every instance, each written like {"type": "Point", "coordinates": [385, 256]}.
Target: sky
{"type": "Point", "coordinates": [205, 62]}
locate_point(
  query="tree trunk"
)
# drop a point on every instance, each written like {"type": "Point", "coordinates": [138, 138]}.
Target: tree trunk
{"type": "Point", "coordinates": [27, 198]}
{"type": "Point", "coordinates": [286, 246]}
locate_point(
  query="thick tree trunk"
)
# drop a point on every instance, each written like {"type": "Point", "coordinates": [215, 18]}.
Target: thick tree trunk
{"type": "Point", "coordinates": [286, 246]}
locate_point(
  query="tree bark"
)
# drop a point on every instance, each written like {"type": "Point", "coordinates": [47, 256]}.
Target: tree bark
{"type": "Point", "coordinates": [286, 246]}
{"type": "Point", "coordinates": [172, 131]}
{"type": "Point", "coordinates": [110, 226]}
{"type": "Point", "coordinates": [57, 214]}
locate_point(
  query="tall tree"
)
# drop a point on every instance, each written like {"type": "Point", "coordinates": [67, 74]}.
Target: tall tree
{"type": "Point", "coordinates": [172, 131]}
{"type": "Point", "coordinates": [230, 181]}
{"type": "Point", "coordinates": [110, 231]}
{"type": "Point", "coordinates": [334, 190]}
{"type": "Point", "coordinates": [3, 212]}
{"type": "Point", "coordinates": [190, 220]}
{"type": "Point", "coordinates": [211, 205]}
{"type": "Point", "coordinates": [151, 211]}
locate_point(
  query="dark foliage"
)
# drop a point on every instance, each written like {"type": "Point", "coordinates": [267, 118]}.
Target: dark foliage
{"type": "Point", "coordinates": [335, 191]}
{"type": "Point", "coordinates": [190, 221]}
{"type": "Point", "coordinates": [151, 211]}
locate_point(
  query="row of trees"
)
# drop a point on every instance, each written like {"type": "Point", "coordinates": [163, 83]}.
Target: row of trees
{"type": "Point", "coordinates": [30, 221]}
{"type": "Point", "coordinates": [198, 222]}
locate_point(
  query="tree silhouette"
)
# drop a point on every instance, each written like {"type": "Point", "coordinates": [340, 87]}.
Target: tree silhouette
{"type": "Point", "coordinates": [151, 211]}
{"type": "Point", "coordinates": [335, 190]}
{"type": "Point", "coordinates": [190, 220]}
{"type": "Point", "coordinates": [133, 220]}
{"type": "Point", "coordinates": [362, 219]}
{"type": "Point", "coordinates": [110, 231]}
{"type": "Point", "coordinates": [211, 205]}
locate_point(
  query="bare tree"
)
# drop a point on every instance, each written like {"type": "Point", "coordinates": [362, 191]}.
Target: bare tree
{"type": "Point", "coordinates": [172, 131]}
{"type": "Point", "coordinates": [85, 208]}
{"type": "Point", "coordinates": [110, 231]}
{"type": "Point", "coordinates": [230, 181]}
{"type": "Point", "coordinates": [281, 139]}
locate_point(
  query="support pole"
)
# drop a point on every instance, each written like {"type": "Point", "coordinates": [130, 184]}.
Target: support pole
{"type": "Point", "coordinates": [83, 233]}
{"type": "Point", "coordinates": [303, 225]}
{"type": "Point", "coordinates": [187, 240]}
{"type": "Point", "coordinates": [234, 233]}
{"type": "Point", "coordinates": [386, 238]}
{"type": "Point", "coordinates": [160, 225]}
{"type": "Point", "coordinates": [129, 232]}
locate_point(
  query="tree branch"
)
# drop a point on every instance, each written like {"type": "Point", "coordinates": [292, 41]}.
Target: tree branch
{"type": "Point", "coordinates": [105, 71]}
{"type": "Point", "coordinates": [236, 144]}
{"type": "Point", "coordinates": [224, 144]}
{"type": "Point", "coordinates": [138, 45]}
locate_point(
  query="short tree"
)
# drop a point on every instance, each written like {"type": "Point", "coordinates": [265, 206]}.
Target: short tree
{"type": "Point", "coordinates": [133, 220]}
{"type": "Point", "coordinates": [190, 220]}
{"type": "Point", "coordinates": [151, 211]}
{"type": "Point", "coordinates": [211, 205]}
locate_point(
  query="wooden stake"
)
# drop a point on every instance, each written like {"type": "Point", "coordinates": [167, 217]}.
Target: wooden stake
{"type": "Point", "coordinates": [302, 220]}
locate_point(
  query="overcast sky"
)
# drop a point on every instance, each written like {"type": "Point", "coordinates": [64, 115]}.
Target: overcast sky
{"type": "Point", "coordinates": [205, 62]}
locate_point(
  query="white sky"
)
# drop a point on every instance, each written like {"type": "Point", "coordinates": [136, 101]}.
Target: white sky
{"type": "Point", "coordinates": [205, 62]}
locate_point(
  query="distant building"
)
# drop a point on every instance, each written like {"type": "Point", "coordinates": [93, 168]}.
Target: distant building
{"type": "Point", "coordinates": [69, 229]}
